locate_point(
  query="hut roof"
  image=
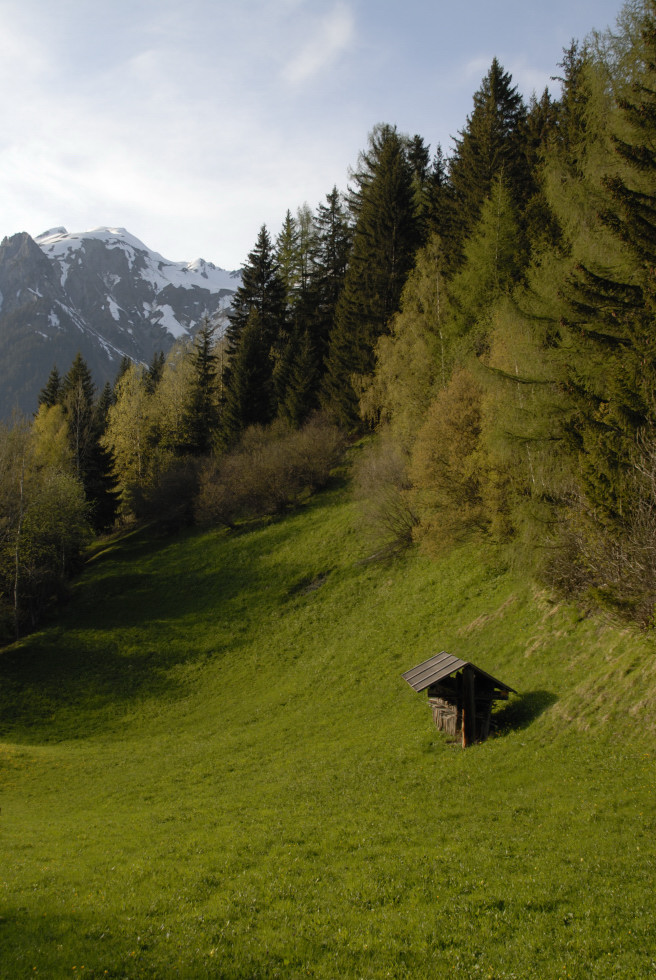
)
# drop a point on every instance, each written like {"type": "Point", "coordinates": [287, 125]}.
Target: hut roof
{"type": "Point", "coordinates": [443, 664]}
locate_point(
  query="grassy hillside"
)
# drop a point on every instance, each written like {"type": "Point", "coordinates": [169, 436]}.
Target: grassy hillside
{"type": "Point", "coordinates": [211, 767]}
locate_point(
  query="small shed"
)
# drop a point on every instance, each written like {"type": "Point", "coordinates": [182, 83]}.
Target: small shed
{"type": "Point", "coordinates": [460, 695]}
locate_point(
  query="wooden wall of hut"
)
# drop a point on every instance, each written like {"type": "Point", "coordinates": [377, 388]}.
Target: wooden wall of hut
{"type": "Point", "coordinates": [462, 706]}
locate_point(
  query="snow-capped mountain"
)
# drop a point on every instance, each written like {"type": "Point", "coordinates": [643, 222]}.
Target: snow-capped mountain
{"type": "Point", "coordinates": [101, 292]}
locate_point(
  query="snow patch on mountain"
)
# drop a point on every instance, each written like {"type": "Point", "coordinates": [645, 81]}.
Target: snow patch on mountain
{"type": "Point", "coordinates": [115, 310]}
{"type": "Point", "coordinates": [168, 320]}
{"type": "Point", "coordinates": [158, 272]}
{"type": "Point", "coordinates": [101, 293]}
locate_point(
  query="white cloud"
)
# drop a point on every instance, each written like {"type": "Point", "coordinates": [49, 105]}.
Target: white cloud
{"type": "Point", "coordinates": [333, 36]}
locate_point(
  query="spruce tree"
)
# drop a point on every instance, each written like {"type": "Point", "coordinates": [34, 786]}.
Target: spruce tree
{"type": "Point", "coordinates": [489, 145]}
{"type": "Point", "coordinates": [332, 247]}
{"type": "Point", "coordinates": [248, 398]}
{"type": "Point", "coordinates": [49, 394]}
{"type": "Point", "coordinates": [260, 304]}
{"type": "Point", "coordinates": [203, 408]}
{"type": "Point", "coordinates": [287, 252]}
{"type": "Point", "coordinates": [386, 237]}
{"type": "Point", "coordinates": [155, 371]}
{"type": "Point", "coordinates": [262, 289]}
{"type": "Point", "coordinates": [92, 461]}
{"type": "Point", "coordinates": [300, 397]}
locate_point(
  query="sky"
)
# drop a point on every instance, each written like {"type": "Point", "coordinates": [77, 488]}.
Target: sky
{"type": "Point", "coordinates": [194, 123]}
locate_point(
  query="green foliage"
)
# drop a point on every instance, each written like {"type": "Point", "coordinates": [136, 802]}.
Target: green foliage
{"type": "Point", "coordinates": [212, 767]}
{"type": "Point", "coordinates": [415, 357]}
{"type": "Point", "coordinates": [490, 269]}
{"type": "Point", "coordinates": [447, 467]}
{"type": "Point", "coordinates": [44, 519]}
{"type": "Point", "coordinates": [256, 335]}
{"type": "Point", "coordinates": [385, 239]}
{"type": "Point", "coordinates": [203, 407]}
{"type": "Point", "coordinates": [491, 145]}
{"type": "Point", "coordinates": [86, 419]}
{"type": "Point", "coordinates": [50, 393]}
{"type": "Point", "coordinates": [331, 250]}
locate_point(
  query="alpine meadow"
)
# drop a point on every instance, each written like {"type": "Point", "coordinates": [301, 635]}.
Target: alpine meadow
{"type": "Point", "coordinates": [426, 423]}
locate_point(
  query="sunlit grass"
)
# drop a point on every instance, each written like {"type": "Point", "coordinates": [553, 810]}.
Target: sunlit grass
{"type": "Point", "coordinates": [211, 767]}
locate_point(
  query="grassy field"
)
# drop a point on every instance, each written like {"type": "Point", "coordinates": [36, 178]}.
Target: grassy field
{"type": "Point", "coordinates": [211, 767]}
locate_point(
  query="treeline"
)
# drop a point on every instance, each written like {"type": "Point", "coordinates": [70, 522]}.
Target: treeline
{"type": "Point", "coordinates": [516, 380]}
{"type": "Point", "coordinates": [489, 316]}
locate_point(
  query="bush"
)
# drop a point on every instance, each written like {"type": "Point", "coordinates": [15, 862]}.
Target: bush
{"type": "Point", "coordinates": [612, 568]}
{"type": "Point", "coordinates": [269, 471]}
{"type": "Point", "coordinates": [381, 486]}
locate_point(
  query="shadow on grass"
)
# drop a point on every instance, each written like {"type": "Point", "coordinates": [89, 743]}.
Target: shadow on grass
{"type": "Point", "coordinates": [522, 710]}
{"type": "Point", "coordinates": [144, 607]}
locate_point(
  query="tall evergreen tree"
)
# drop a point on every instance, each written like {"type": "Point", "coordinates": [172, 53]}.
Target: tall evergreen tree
{"type": "Point", "coordinates": [155, 371]}
{"type": "Point", "coordinates": [203, 409]}
{"type": "Point", "coordinates": [248, 398]}
{"type": "Point", "coordinates": [332, 247]}
{"type": "Point", "coordinates": [260, 304]}
{"type": "Point", "coordinates": [49, 394]}
{"type": "Point", "coordinates": [386, 237]}
{"type": "Point", "coordinates": [92, 461]}
{"type": "Point", "coordinates": [288, 259]}
{"type": "Point", "coordinates": [439, 198]}
{"type": "Point", "coordinates": [420, 164]}
{"type": "Point", "coordinates": [489, 145]}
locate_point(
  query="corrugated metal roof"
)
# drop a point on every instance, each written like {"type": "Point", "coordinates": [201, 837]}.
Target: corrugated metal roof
{"type": "Point", "coordinates": [440, 666]}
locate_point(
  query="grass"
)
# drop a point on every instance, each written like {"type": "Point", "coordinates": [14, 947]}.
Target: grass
{"type": "Point", "coordinates": [211, 767]}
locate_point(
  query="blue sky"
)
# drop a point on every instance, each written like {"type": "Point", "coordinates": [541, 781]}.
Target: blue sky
{"type": "Point", "coordinates": [193, 123]}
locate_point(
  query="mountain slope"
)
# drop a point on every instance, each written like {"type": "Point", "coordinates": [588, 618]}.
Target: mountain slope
{"type": "Point", "coordinates": [211, 766]}
{"type": "Point", "coordinates": [103, 293]}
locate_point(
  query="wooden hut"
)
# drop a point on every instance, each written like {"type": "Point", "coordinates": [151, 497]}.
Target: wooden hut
{"type": "Point", "coordinates": [460, 695]}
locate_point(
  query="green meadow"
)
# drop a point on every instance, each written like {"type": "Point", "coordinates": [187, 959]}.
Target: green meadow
{"type": "Point", "coordinates": [210, 766]}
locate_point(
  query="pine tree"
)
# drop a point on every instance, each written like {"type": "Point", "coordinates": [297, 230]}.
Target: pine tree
{"type": "Point", "coordinates": [415, 359]}
{"type": "Point", "coordinates": [248, 399]}
{"type": "Point", "coordinates": [419, 160]}
{"type": "Point", "coordinates": [439, 199]}
{"type": "Point", "coordinates": [300, 398]}
{"type": "Point", "coordinates": [49, 394]}
{"type": "Point", "coordinates": [287, 252]}
{"type": "Point", "coordinates": [490, 145]}
{"type": "Point", "coordinates": [77, 397]}
{"type": "Point", "coordinates": [103, 404]}
{"type": "Point", "coordinates": [612, 304]}
{"type": "Point", "coordinates": [125, 365]}
{"type": "Point", "coordinates": [294, 257]}
{"type": "Point", "coordinates": [203, 410]}
{"type": "Point", "coordinates": [332, 247]}
{"type": "Point", "coordinates": [540, 129]}
{"type": "Point", "coordinates": [93, 463]}
{"type": "Point", "coordinates": [262, 293]}
{"type": "Point", "coordinates": [385, 240]}
{"type": "Point", "coordinates": [262, 289]}
{"type": "Point", "coordinates": [155, 371]}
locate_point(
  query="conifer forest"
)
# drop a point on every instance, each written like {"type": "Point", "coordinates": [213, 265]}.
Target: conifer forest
{"type": "Point", "coordinates": [484, 314]}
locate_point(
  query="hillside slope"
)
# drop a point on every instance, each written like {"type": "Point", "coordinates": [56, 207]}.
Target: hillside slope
{"type": "Point", "coordinates": [211, 767]}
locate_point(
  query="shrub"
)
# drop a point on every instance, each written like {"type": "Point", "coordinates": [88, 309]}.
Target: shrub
{"type": "Point", "coordinates": [381, 486]}
{"type": "Point", "coordinates": [268, 472]}
{"type": "Point", "coordinates": [612, 568]}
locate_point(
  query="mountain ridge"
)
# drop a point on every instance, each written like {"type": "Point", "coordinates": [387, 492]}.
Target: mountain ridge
{"type": "Point", "coordinates": [102, 293]}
